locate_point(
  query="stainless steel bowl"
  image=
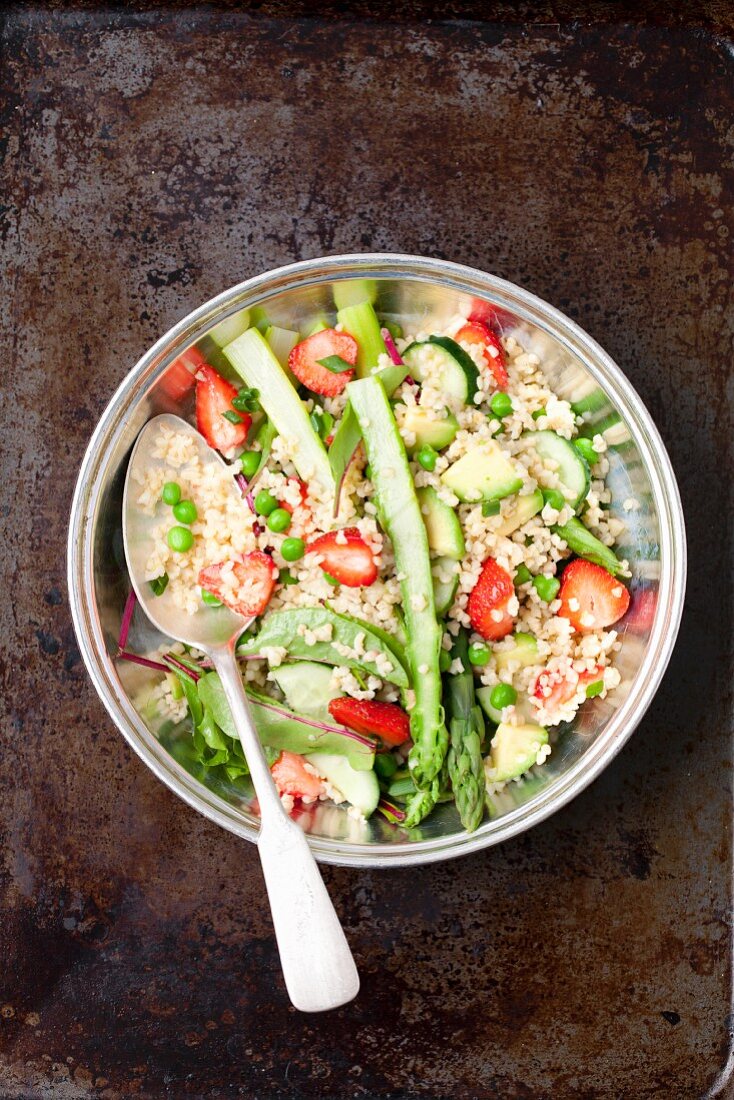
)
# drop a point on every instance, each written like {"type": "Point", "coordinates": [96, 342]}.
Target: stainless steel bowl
{"type": "Point", "coordinates": [427, 293]}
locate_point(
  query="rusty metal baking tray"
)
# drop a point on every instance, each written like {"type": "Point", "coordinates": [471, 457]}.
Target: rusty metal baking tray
{"type": "Point", "coordinates": [155, 155]}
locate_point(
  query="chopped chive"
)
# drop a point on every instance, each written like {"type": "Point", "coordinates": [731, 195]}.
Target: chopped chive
{"type": "Point", "coordinates": [247, 400]}
{"type": "Point", "coordinates": [232, 416]}
{"type": "Point", "coordinates": [490, 508]}
{"type": "Point", "coordinates": [335, 364]}
{"type": "Point", "coordinates": [330, 579]}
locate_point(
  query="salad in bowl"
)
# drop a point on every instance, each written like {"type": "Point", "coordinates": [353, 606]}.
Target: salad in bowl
{"type": "Point", "coordinates": [422, 538]}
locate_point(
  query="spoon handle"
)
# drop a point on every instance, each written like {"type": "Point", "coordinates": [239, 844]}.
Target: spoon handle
{"type": "Point", "coordinates": [317, 963]}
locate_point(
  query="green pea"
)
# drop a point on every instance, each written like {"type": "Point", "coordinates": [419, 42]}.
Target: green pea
{"type": "Point", "coordinates": [249, 462]}
{"type": "Point", "coordinates": [538, 413]}
{"type": "Point", "coordinates": [265, 503]}
{"type": "Point", "coordinates": [490, 508]}
{"type": "Point", "coordinates": [171, 493]}
{"type": "Point", "coordinates": [279, 520]}
{"type": "Point", "coordinates": [385, 765]}
{"type": "Point", "coordinates": [292, 549]}
{"type": "Point", "coordinates": [595, 689]}
{"type": "Point", "coordinates": [332, 580]}
{"type": "Point", "coordinates": [546, 587]}
{"type": "Point", "coordinates": [286, 577]}
{"type": "Point", "coordinates": [555, 498]}
{"type": "Point", "coordinates": [180, 539]}
{"type": "Point", "coordinates": [479, 654]}
{"type": "Point", "coordinates": [522, 574]}
{"type": "Point", "coordinates": [210, 599]}
{"type": "Point", "coordinates": [501, 404]}
{"type": "Point", "coordinates": [426, 457]}
{"type": "Point", "coordinates": [444, 660]}
{"type": "Point", "coordinates": [503, 695]}
{"type": "Point", "coordinates": [586, 449]}
{"type": "Point", "coordinates": [185, 511]}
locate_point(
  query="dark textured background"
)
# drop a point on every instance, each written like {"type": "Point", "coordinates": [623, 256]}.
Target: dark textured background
{"type": "Point", "coordinates": [153, 158]}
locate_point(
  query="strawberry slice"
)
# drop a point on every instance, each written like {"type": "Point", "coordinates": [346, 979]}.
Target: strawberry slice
{"type": "Point", "coordinates": [346, 557]}
{"type": "Point", "coordinates": [304, 361]}
{"type": "Point", "coordinates": [213, 399]}
{"type": "Point", "coordinates": [487, 605]}
{"type": "Point", "coordinates": [244, 586]}
{"type": "Point", "coordinates": [591, 598]}
{"type": "Point", "coordinates": [553, 689]}
{"type": "Point", "coordinates": [481, 336]}
{"type": "Point", "coordinates": [291, 777]}
{"type": "Point", "coordinates": [642, 611]}
{"type": "Point", "coordinates": [387, 721]}
{"type": "Point", "coordinates": [180, 376]}
{"type": "Point", "coordinates": [493, 316]}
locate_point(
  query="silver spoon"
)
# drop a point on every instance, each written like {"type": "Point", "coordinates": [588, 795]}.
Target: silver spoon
{"type": "Point", "coordinates": [318, 967]}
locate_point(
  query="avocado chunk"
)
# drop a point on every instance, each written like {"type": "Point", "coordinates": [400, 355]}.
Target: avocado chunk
{"type": "Point", "coordinates": [430, 429]}
{"type": "Point", "coordinates": [521, 510]}
{"type": "Point", "coordinates": [482, 474]}
{"type": "Point", "coordinates": [524, 651]}
{"type": "Point", "coordinates": [445, 536]}
{"type": "Point", "coordinates": [514, 750]}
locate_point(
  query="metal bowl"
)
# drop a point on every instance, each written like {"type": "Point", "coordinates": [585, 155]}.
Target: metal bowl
{"type": "Point", "coordinates": [425, 293]}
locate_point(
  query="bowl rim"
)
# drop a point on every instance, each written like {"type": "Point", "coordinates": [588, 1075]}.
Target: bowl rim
{"type": "Point", "coordinates": [101, 666]}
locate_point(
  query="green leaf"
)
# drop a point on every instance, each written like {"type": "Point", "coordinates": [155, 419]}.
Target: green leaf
{"type": "Point", "coordinates": [287, 628]}
{"type": "Point", "coordinates": [335, 364]}
{"type": "Point", "coordinates": [159, 585]}
{"type": "Point", "coordinates": [280, 728]}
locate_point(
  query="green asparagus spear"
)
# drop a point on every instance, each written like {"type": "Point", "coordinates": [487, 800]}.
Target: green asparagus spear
{"type": "Point", "coordinates": [423, 801]}
{"type": "Point", "coordinates": [466, 728]}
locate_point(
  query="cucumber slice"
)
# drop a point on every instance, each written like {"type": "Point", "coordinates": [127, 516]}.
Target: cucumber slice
{"type": "Point", "coordinates": [523, 509]}
{"type": "Point", "coordinates": [482, 474]}
{"type": "Point", "coordinates": [445, 536]}
{"type": "Point", "coordinates": [307, 688]}
{"type": "Point", "coordinates": [254, 360]}
{"type": "Point", "coordinates": [580, 539]}
{"type": "Point", "coordinates": [444, 592]}
{"type": "Point", "coordinates": [361, 322]}
{"type": "Point", "coordinates": [431, 429]}
{"type": "Point", "coordinates": [360, 788]}
{"type": "Point", "coordinates": [452, 370]}
{"type": "Point", "coordinates": [572, 468]}
{"type": "Point", "coordinates": [524, 651]}
{"type": "Point", "coordinates": [514, 750]}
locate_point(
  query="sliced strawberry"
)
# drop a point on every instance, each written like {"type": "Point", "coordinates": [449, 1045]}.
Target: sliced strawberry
{"type": "Point", "coordinates": [387, 721]}
{"type": "Point", "coordinates": [591, 598]}
{"type": "Point", "coordinates": [487, 606]}
{"type": "Point", "coordinates": [246, 587]}
{"type": "Point", "coordinates": [641, 614]}
{"type": "Point", "coordinates": [349, 561]}
{"type": "Point", "coordinates": [304, 361]}
{"type": "Point", "coordinates": [180, 376]}
{"type": "Point", "coordinates": [213, 399]}
{"type": "Point", "coordinates": [494, 316]}
{"type": "Point", "coordinates": [480, 335]}
{"type": "Point", "coordinates": [553, 689]}
{"type": "Point", "coordinates": [291, 777]}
